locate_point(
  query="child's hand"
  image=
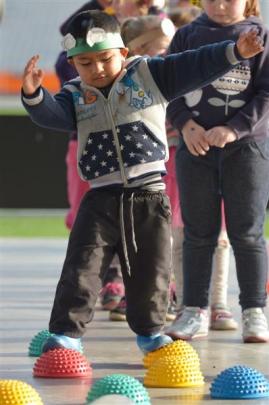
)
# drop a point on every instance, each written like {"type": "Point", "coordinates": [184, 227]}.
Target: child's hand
{"type": "Point", "coordinates": [194, 137]}
{"type": "Point", "coordinates": [249, 44]}
{"type": "Point", "coordinates": [32, 76]}
{"type": "Point", "coordinates": [219, 136]}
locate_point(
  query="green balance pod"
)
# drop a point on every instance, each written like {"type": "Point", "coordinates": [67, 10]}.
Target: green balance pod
{"type": "Point", "coordinates": [35, 347]}
{"type": "Point", "coordinates": [119, 384]}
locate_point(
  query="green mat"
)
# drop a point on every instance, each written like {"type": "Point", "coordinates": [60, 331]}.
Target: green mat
{"type": "Point", "coordinates": [29, 227]}
{"type": "Point", "coordinates": [46, 226]}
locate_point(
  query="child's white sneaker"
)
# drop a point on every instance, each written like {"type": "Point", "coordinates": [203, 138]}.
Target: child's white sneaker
{"type": "Point", "coordinates": [191, 323]}
{"type": "Point", "coordinates": [255, 327]}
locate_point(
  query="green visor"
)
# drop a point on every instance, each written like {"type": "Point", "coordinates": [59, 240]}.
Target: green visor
{"type": "Point", "coordinates": [112, 41]}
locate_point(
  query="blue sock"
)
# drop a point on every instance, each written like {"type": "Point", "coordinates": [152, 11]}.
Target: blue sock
{"type": "Point", "coordinates": [150, 343]}
{"type": "Point", "coordinates": [62, 342]}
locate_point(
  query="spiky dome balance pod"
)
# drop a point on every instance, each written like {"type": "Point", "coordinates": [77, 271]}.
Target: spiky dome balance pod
{"type": "Point", "coordinates": [174, 372]}
{"type": "Point", "coordinates": [240, 382]}
{"type": "Point", "coordinates": [14, 392]}
{"type": "Point", "coordinates": [62, 363]}
{"type": "Point", "coordinates": [35, 346]}
{"type": "Point", "coordinates": [179, 348]}
{"type": "Point", "coordinates": [119, 384]}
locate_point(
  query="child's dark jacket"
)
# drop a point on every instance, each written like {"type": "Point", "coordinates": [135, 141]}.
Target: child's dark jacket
{"type": "Point", "coordinates": [239, 99]}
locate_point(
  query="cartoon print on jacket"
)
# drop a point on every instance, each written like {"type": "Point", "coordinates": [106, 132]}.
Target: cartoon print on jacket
{"type": "Point", "coordinates": [138, 97]}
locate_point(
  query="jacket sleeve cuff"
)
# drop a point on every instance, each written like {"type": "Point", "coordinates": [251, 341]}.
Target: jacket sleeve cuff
{"type": "Point", "coordinates": [34, 98]}
{"type": "Point", "coordinates": [233, 54]}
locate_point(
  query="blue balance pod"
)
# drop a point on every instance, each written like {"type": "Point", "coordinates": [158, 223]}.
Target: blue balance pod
{"type": "Point", "coordinates": [240, 382]}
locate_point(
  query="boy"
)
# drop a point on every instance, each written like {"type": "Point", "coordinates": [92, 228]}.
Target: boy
{"type": "Point", "coordinates": [118, 108]}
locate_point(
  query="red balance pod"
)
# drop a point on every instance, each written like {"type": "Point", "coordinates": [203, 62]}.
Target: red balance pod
{"type": "Point", "coordinates": [62, 363]}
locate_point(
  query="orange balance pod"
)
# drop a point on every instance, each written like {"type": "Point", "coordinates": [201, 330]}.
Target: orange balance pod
{"type": "Point", "coordinates": [62, 363]}
{"type": "Point", "coordinates": [14, 392]}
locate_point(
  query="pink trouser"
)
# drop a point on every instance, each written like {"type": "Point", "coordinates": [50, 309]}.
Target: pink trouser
{"type": "Point", "coordinates": [172, 188]}
{"type": "Point", "coordinates": [76, 187]}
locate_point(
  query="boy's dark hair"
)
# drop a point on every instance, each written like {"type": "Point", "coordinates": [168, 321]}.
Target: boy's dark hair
{"type": "Point", "coordinates": [82, 22]}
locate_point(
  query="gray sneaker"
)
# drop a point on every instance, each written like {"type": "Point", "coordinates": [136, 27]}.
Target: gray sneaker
{"type": "Point", "coordinates": [191, 323]}
{"type": "Point", "coordinates": [255, 327]}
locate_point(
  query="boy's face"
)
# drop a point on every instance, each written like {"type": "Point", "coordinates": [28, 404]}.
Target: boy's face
{"type": "Point", "coordinates": [100, 69]}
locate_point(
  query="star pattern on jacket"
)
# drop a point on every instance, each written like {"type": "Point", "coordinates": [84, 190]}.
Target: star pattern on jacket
{"type": "Point", "coordinates": [135, 144]}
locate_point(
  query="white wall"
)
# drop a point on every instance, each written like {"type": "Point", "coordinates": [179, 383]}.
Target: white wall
{"type": "Point", "coordinates": [32, 26]}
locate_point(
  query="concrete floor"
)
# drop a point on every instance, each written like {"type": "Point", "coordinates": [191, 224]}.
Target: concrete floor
{"type": "Point", "coordinates": [29, 270]}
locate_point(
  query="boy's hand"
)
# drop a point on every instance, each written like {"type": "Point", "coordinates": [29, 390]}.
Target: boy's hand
{"type": "Point", "coordinates": [194, 137]}
{"type": "Point", "coordinates": [219, 136]}
{"type": "Point", "coordinates": [249, 44]}
{"type": "Point", "coordinates": [32, 76]}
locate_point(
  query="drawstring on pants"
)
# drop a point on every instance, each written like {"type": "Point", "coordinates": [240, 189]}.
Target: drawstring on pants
{"type": "Point", "coordinates": [122, 229]}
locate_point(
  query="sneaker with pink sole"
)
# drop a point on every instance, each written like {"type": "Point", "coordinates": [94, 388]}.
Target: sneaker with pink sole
{"type": "Point", "coordinates": [119, 312]}
{"type": "Point", "coordinates": [222, 319]}
{"type": "Point", "coordinates": [111, 294]}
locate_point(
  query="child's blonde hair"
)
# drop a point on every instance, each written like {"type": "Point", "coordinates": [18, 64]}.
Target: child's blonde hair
{"type": "Point", "coordinates": [252, 8]}
{"type": "Point", "coordinates": [141, 32]}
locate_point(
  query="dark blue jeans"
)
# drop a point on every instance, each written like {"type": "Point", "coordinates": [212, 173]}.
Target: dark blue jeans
{"type": "Point", "coordinates": [239, 174]}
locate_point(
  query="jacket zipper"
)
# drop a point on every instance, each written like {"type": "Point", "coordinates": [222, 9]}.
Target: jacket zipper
{"type": "Point", "coordinates": [117, 144]}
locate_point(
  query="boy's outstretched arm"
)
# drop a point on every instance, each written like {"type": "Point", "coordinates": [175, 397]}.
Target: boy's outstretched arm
{"type": "Point", "coordinates": [178, 74]}
{"type": "Point", "coordinates": [46, 111]}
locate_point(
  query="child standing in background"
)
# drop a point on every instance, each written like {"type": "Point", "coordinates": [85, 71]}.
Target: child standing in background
{"type": "Point", "coordinates": [224, 155]}
{"type": "Point", "coordinates": [118, 108]}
